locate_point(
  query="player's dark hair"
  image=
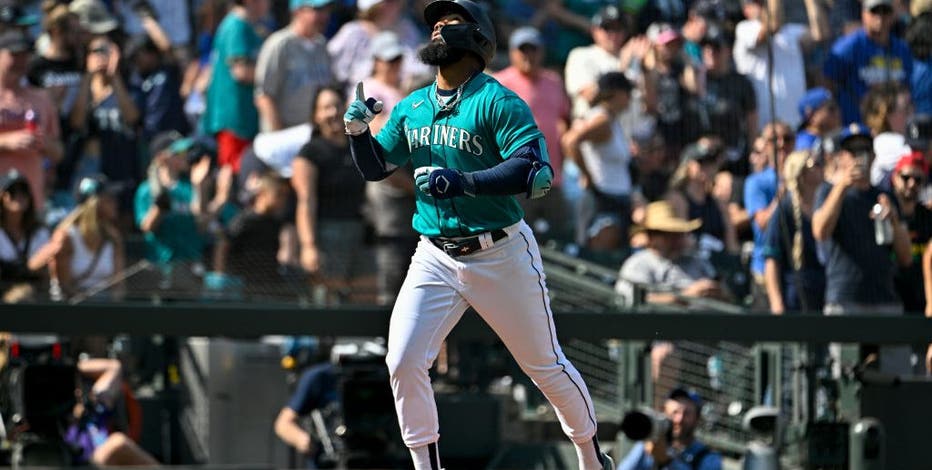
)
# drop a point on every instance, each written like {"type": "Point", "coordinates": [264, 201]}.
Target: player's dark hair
{"type": "Point", "coordinates": [338, 88]}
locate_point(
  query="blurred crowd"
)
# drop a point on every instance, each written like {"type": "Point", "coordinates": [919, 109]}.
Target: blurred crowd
{"type": "Point", "coordinates": [773, 154]}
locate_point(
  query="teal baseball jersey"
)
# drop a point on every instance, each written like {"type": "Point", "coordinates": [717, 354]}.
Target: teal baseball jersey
{"type": "Point", "coordinates": [486, 125]}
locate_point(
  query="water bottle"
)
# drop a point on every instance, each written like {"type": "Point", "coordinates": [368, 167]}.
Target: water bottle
{"type": "Point", "coordinates": [883, 228]}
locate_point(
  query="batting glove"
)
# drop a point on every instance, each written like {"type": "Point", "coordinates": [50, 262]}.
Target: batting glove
{"type": "Point", "coordinates": [444, 183]}
{"type": "Point", "coordinates": [360, 112]}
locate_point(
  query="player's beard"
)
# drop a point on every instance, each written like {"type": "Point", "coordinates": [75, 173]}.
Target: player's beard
{"type": "Point", "coordinates": [440, 54]}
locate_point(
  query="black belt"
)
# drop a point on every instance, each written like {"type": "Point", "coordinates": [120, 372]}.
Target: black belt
{"type": "Point", "coordinates": [455, 247]}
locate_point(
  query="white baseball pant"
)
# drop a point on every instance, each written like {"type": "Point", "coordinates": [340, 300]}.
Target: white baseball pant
{"type": "Point", "coordinates": [505, 284]}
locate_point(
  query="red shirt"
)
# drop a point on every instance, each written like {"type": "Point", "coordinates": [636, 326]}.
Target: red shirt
{"type": "Point", "coordinates": [13, 108]}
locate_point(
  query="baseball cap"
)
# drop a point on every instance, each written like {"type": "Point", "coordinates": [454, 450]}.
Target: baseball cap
{"type": "Point", "coordinates": [386, 46]}
{"type": "Point", "coordinates": [914, 158]}
{"type": "Point", "coordinates": [93, 16]}
{"type": "Point", "coordinates": [12, 14]}
{"type": "Point", "coordinates": [607, 17]}
{"type": "Point", "coordinates": [854, 136]}
{"type": "Point", "coordinates": [680, 393]}
{"type": "Point", "coordinates": [295, 4]}
{"type": "Point", "coordinates": [919, 132]}
{"type": "Point", "coordinates": [162, 141]}
{"type": "Point", "coordinates": [871, 4]}
{"type": "Point", "coordinates": [12, 178]}
{"type": "Point", "coordinates": [364, 5]}
{"type": "Point", "coordinates": [662, 33]}
{"type": "Point", "coordinates": [525, 35]}
{"type": "Point", "coordinates": [96, 185]}
{"type": "Point", "coordinates": [15, 40]}
{"type": "Point", "coordinates": [814, 99]}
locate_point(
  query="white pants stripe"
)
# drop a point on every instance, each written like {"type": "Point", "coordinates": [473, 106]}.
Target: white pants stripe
{"type": "Point", "coordinates": [505, 284]}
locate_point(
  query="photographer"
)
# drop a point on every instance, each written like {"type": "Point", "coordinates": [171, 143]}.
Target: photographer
{"type": "Point", "coordinates": [674, 445]}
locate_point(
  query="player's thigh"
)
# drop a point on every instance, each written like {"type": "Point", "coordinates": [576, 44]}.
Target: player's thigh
{"type": "Point", "coordinates": [512, 298]}
{"type": "Point", "coordinates": [426, 309]}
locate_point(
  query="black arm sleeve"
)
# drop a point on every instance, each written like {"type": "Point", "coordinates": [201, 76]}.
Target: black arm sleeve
{"type": "Point", "coordinates": [367, 154]}
{"type": "Point", "coordinates": [510, 176]}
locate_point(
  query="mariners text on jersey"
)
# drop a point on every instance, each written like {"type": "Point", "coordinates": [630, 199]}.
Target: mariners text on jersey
{"type": "Point", "coordinates": [449, 136]}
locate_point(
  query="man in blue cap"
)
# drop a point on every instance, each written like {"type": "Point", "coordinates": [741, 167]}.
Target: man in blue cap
{"type": "Point", "coordinates": [819, 116]}
{"type": "Point", "coordinates": [859, 261]}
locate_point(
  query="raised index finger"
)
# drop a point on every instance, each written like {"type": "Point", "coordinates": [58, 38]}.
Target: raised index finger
{"type": "Point", "coordinates": [360, 94]}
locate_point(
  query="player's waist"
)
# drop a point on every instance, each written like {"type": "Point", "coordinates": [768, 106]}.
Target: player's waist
{"type": "Point", "coordinates": [462, 246]}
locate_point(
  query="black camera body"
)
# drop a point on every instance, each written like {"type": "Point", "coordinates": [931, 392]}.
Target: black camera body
{"type": "Point", "coordinates": [646, 424]}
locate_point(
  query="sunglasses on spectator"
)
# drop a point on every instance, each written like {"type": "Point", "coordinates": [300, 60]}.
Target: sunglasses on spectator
{"type": "Point", "coordinates": [882, 10]}
{"type": "Point", "coordinates": [919, 179]}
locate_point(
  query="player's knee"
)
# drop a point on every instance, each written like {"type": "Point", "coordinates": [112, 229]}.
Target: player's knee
{"type": "Point", "coordinates": [401, 364]}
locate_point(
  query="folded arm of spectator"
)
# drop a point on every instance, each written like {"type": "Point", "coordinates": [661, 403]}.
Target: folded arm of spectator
{"type": "Point", "coordinates": [825, 217]}
{"type": "Point", "coordinates": [288, 429]}
{"type": "Point", "coordinates": [155, 32]}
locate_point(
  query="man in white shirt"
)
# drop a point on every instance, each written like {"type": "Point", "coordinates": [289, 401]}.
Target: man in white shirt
{"type": "Point", "coordinates": [765, 22]}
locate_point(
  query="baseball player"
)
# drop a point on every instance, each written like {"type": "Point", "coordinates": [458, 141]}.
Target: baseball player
{"type": "Point", "coordinates": [474, 146]}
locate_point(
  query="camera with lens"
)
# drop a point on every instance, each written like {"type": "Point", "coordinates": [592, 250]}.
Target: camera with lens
{"type": "Point", "coordinates": [647, 424]}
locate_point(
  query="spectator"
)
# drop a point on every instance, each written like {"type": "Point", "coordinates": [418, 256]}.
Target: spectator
{"type": "Point", "coordinates": [859, 271]}
{"type": "Point", "coordinates": [316, 389]}
{"type": "Point", "coordinates": [157, 82]}
{"type": "Point", "coordinates": [611, 51]}
{"type": "Point", "coordinates": [693, 31]}
{"type": "Point", "coordinates": [88, 248]}
{"type": "Point", "coordinates": [690, 195]}
{"type": "Point", "coordinates": [23, 239]}
{"type": "Point", "coordinates": [886, 109]}
{"type": "Point", "coordinates": [762, 193]}
{"type": "Point", "coordinates": [794, 277]}
{"type": "Point", "coordinates": [106, 115]}
{"type": "Point", "coordinates": [668, 269]}
{"type": "Point", "coordinates": [769, 52]}
{"type": "Point", "coordinates": [330, 198]}
{"type": "Point", "coordinates": [543, 91]}
{"type": "Point", "coordinates": [231, 113]}
{"type": "Point", "coordinates": [28, 120]}
{"type": "Point", "coordinates": [908, 178]}
{"type": "Point", "coordinates": [818, 116]}
{"type": "Point", "coordinates": [867, 57]}
{"type": "Point", "coordinates": [670, 85]}
{"type": "Point", "coordinates": [58, 70]}
{"type": "Point", "coordinates": [352, 48]}
{"type": "Point", "coordinates": [390, 201]}
{"type": "Point", "coordinates": [169, 209]}
{"type": "Point", "coordinates": [197, 72]}
{"type": "Point", "coordinates": [166, 22]}
{"type": "Point", "coordinates": [90, 432]}
{"type": "Point", "coordinates": [249, 248]}
{"type": "Point", "coordinates": [727, 106]}
{"type": "Point", "coordinates": [684, 410]}
{"type": "Point", "coordinates": [293, 64]}
{"type": "Point", "coordinates": [919, 38]}
{"type": "Point", "coordinates": [599, 147]}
